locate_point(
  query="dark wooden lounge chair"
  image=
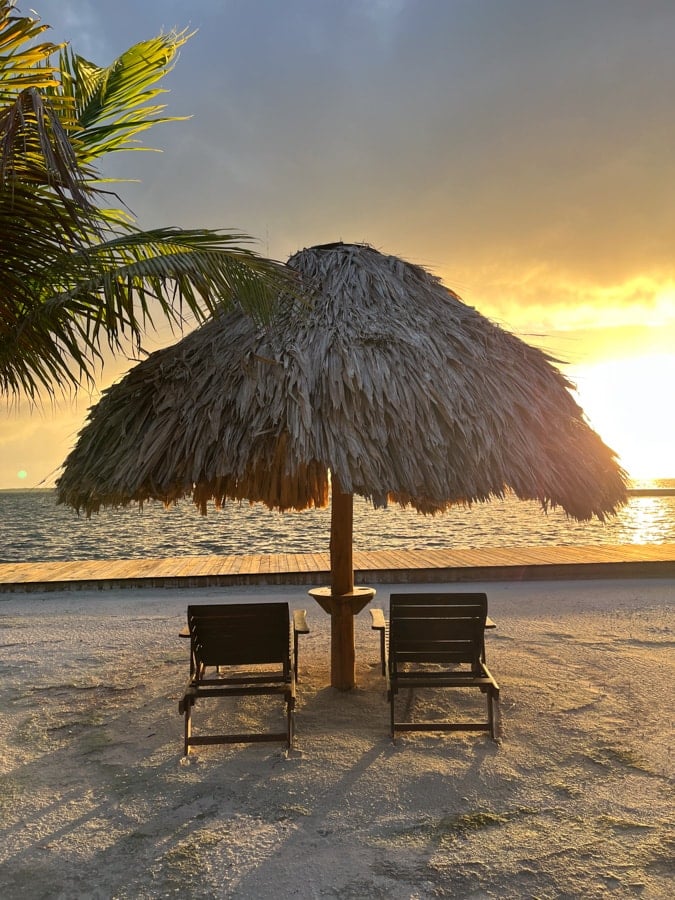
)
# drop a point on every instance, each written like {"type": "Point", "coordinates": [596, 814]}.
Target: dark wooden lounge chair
{"type": "Point", "coordinates": [436, 640]}
{"type": "Point", "coordinates": [242, 649]}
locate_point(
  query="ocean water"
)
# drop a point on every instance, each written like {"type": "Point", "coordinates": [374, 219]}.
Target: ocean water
{"type": "Point", "coordinates": [34, 528]}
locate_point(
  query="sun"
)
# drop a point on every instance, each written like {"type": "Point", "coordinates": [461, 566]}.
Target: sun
{"type": "Point", "coordinates": [627, 401]}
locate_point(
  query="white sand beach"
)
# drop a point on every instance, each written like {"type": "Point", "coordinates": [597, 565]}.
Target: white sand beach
{"type": "Point", "coordinates": [577, 801]}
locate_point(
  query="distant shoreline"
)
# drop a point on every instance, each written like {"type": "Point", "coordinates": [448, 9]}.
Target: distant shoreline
{"type": "Point", "coordinates": [651, 492]}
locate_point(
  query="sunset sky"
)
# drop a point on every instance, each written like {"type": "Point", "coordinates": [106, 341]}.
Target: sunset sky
{"type": "Point", "coordinates": [523, 150]}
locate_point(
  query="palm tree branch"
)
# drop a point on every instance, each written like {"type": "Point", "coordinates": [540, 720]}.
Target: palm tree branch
{"type": "Point", "coordinates": [110, 291]}
{"type": "Point", "coordinates": [75, 274]}
{"type": "Point", "coordinates": [23, 66]}
{"type": "Point", "coordinates": [116, 103]}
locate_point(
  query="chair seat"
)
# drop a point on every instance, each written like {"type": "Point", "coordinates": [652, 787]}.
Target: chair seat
{"type": "Point", "coordinates": [436, 640]}
{"type": "Point", "coordinates": [251, 648]}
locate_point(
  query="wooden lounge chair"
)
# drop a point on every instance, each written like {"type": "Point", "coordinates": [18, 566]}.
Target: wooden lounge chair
{"type": "Point", "coordinates": [251, 649]}
{"type": "Point", "coordinates": [436, 640]}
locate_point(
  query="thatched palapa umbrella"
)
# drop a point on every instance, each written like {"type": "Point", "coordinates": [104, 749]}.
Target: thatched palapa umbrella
{"type": "Point", "coordinates": [387, 386]}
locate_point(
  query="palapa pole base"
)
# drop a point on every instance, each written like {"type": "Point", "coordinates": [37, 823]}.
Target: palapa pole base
{"type": "Point", "coordinates": [342, 601]}
{"type": "Point", "coordinates": [342, 652]}
{"type": "Point", "coordinates": [342, 608]}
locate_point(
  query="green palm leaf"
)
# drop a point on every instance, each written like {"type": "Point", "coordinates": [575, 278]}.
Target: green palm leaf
{"type": "Point", "coordinates": [116, 103]}
{"type": "Point", "coordinates": [76, 274]}
{"type": "Point", "coordinates": [23, 66]}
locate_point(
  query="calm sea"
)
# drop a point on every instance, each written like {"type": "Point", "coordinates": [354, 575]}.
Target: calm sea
{"type": "Point", "coordinates": [33, 528]}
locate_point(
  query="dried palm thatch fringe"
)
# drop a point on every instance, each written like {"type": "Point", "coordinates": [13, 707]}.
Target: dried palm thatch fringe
{"type": "Point", "coordinates": [388, 381]}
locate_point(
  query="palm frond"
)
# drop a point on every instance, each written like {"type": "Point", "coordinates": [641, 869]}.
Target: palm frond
{"type": "Point", "coordinates": [116, 103]}
{"type": "Point", "coordinates": [24, 64]}
{"type": "Point", "coordinates": [36, 148]}
{"type": "Point", "coordinates": [76, 274]}
{"type": "Point", "coordinates": [111, 292]}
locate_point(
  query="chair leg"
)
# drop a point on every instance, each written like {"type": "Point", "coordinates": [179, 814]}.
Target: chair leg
{"type": "Point", "coordinates": [290, 713]}
{"type": "Point", "coordinates": [496, 716]}
{"type": "Point", "coordinates": [391, 715]}
{"type": "Point", "coordinates": [490, 713]}
{"type": "Point", "coordinates": [188, 725]}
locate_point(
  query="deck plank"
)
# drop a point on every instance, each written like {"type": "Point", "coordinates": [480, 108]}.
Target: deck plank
{"type": "Point", "coordinates": [386, 566]}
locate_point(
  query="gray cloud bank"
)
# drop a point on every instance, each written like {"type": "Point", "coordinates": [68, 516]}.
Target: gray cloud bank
{"type": "Point", "coordinates": [517, 143]}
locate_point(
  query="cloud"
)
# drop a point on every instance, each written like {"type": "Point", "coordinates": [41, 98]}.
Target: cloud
{"type": "Point", "coordinates": [525, 135]}
{"type": "Point", "coordinates": [544, 298]}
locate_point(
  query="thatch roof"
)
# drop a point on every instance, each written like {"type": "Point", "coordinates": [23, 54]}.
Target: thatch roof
{"type": "Point", "coordinates": [388, 381]}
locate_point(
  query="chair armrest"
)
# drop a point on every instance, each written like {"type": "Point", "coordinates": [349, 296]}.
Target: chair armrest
{"type": "Point", "coordinates": [377, 620]}
{"type": "Point", "coordinates": [184, 632]}
{"type": "Point", "coordinates": [300, 625]}
{"type": "Point", "coordinates": [489, 623]}
{"type": "Point", "coordinates": [378, 623]}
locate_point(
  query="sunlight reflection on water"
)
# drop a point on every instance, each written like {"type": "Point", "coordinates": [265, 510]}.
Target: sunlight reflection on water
{"type": "Point", "coordinates": [33, 527]}
{"type": "Point", "coordinates": [647, 518]}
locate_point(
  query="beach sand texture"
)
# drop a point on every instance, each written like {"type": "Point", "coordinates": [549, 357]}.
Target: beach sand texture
{"type": "Point", "coordinates": [96, 801]}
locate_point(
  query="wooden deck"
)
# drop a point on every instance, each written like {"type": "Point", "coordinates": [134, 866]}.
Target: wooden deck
{"type": "Point", "coordinates": [379, 567]}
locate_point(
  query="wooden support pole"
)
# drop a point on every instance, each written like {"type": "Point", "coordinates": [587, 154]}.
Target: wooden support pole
{"type": "Point", "coordinates": [342, 609]}
{"type": "Point", "coordinates": [342, 652]}
{"type": "Point", "coordinates": [341, 541]}
{"type": "Point", "coordinates": [342, 582]}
